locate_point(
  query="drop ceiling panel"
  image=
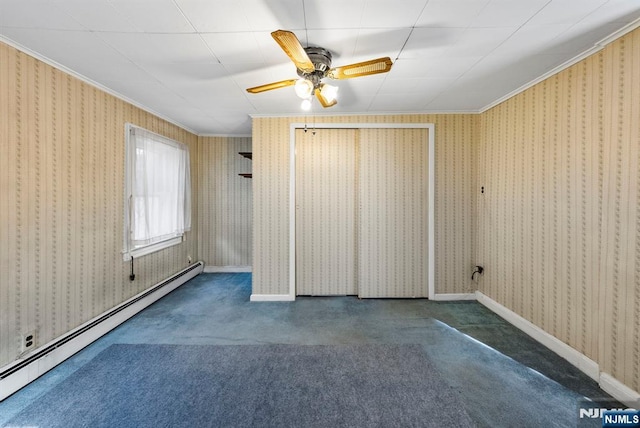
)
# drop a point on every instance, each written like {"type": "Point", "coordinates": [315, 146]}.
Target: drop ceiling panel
{"type": "Point", "coordinates": [450, 13]}
{"type": "Point", "coordinates": [389, 14]}
{"type": "Point", "coordinates": [421, 86]}
{"type": "Point", "coordinates": [159, 48]}
{"type": "Point", "coordinates": [430, 42]}
{"type": "Point", "coordinates": [457, 100]}
{"type": "Point", "coordinates": [380, 42]}
{"type": "Point", "coordinates": [400, 102]}
{"type": "Point", "coordinates": [163, 17]}
{"type": "Point", "coordinates": [479, 41]}
{"type": "Point", "coordinates": [613, 11]}
{"type": "Point", "coordinates": [578, 38]}
{"type": "Point", "coordinates": [436, 67]}
{"type": "Point", "coordinates": [206, 92]}
{"type": "Point", "coordinates": [334, 14]}
{"type": "Point", "coordinates": [187, 73]}
{"type": "Point", "coordinates": [262, 15]}
{"type": "Point", "coordinates": [531, 39]}
{"type": "Point", "coordinates": [496, 74]}
{"type": "Point", "coordinates": [231, 48]}
{"type": "Point", "coordinates": [214, 16]}
{"type": "Point", "coordinates": [507, 13]}
{"type": "Point", "coordinates": [37, 14]}
{"type": "Point", "coordinates": [98, 15]}
{"type": "Point", "coordinates": [563, 12]}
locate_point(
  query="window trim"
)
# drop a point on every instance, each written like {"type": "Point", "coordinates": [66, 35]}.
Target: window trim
{"type": "Point", "coordinates": [128, 251]}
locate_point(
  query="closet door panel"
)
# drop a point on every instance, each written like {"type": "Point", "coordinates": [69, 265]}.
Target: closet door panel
{"type": "Point", "coordinates": [392, 232]}
{"type": "Point", "coordinates": [325, 212]}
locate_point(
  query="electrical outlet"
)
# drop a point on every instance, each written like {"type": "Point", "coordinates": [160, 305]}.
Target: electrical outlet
{"type": "Point", "coordinates": [28, 341]}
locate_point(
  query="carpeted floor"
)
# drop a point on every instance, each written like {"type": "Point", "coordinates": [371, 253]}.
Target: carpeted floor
{"type": "Point", "coordinates": [500, 376]}
{"type": "Point", "coordinates": [252, 386]}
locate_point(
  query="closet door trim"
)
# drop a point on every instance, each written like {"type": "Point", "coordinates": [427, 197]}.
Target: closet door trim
{"type": "Point", "coordinates": [431, 189]}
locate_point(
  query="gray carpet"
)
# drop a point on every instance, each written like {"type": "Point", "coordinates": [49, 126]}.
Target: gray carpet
{"type": "Point", "coordinates": [251, 386]}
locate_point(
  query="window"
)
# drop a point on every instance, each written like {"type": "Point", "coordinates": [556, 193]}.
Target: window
{"type": "Point", "coordinates": [157, 192]}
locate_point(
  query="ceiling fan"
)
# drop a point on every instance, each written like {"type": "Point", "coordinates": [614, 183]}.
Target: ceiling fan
{"type": "Point", "coordinates": [313, 64]}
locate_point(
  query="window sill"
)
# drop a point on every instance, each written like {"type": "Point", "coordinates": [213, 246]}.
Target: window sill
{"type": "Point", "coordinates": [152, 248]}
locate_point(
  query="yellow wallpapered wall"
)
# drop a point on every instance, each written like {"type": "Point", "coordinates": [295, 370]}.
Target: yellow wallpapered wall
{"type": "Point", "coordinates": [225, 201]}
{"type": "Point", "coordinates": [456, 139]}
{"type": "Point", "coordinates": [61, 211]}
{"type": "Point", "coordinates": [559, 231]}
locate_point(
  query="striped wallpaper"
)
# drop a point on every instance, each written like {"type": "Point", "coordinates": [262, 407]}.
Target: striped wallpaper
{"type": "Point", "coordinates": [456, 143]}
{"type": "Point", "coordinates": [61, 206]}
{"type": "Point", "coordinates": [559, 221]}
{"type": "Point", "coordinates": [225, 202]}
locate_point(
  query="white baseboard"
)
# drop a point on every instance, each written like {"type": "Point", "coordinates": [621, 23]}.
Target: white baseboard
{"type": "Point", "coordinates": [620, 391]}
{"type": "Point", "coordinates": [272, 298]}
{"type": "Point", "coordinates": [575, 357]}
{"type": "Point", "coordinates": [68, 344]}
{"type": "Point", "coordinates": [608, 383]}
{"type": "Point", "coordinates": [444, 297]}
{"type": "Point", "coordinates": [229, 269]}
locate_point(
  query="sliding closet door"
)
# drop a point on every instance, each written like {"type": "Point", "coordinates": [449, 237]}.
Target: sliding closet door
{"type": "Point", "coordinates": [392, 245]}
{"type": "Point", "coordinates": [325, 212]}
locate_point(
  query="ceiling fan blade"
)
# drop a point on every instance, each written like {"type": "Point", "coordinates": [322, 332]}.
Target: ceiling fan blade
{"type": "Point", "coordinates": [323, 100]}
{"type": "Point", "coordinates": [270, 86]}
{"type": "Point", "coordinates": [374, 66]}
{"type": "Point", "coordinates": [292, 47]}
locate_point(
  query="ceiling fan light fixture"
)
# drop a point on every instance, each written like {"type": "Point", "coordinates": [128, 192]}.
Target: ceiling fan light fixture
{"type": "Point", "coordinates": [303, 88]}
{"type": "Point", "coordinates": [329, 92]}
{"type": "Point", "coordinates": [306, 104]}
{"type": "Point", "coordinates": [314, 64]}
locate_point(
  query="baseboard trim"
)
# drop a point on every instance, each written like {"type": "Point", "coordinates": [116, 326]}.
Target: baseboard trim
{"type": "Point", "coordinates": [228, 269]}
{"type": "Point", "coordinates": [620, 391]}
{"type": "Point", "coordinates": [444, 297]}
{"type": "Point", "coordinates": [33, 365]}
{"type": "Point", "coordinates": [575, 357]}
{"type": "Point", "coordinates": [272, 298]}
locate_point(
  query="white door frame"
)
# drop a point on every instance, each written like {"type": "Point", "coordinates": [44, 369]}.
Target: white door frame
{"type": "Point", "coordinates": [430, 196]}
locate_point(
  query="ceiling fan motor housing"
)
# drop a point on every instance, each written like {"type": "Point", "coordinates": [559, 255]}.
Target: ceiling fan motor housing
{"type": "Point", "coordinates": [321, 59]}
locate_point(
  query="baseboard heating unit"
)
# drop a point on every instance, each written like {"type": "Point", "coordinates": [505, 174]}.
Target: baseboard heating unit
{"type": "Point", "coordinates": [25, 370]}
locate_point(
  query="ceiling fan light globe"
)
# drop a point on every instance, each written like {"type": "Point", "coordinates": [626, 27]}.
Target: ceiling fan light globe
{"type": "Point", "coordinates": [303, 88]}
{"type": "Point", "coordinates": [329, 92]}
{"type": "Point", "coordinates": [306, 104]}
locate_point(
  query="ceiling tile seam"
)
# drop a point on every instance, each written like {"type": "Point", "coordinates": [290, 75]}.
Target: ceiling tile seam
{"type": "Point", "coordinates": [304, 18]}
{"type": "Point", "coordinates": [360, 28]}
{"type": "Point", "coordinates": [598, 46]}
{"type": "Point", "coordinates": [184, 15]}
{"type": "Point", "coordinates": [503, 42]}
{"type": "Point", "coordinates": [411, 29]}
{"type": "Point", "coordinates": [578, 22]}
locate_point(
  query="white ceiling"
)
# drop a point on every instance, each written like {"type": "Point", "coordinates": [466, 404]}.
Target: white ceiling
{"type": "Point", "coordinates": [191, 60]}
